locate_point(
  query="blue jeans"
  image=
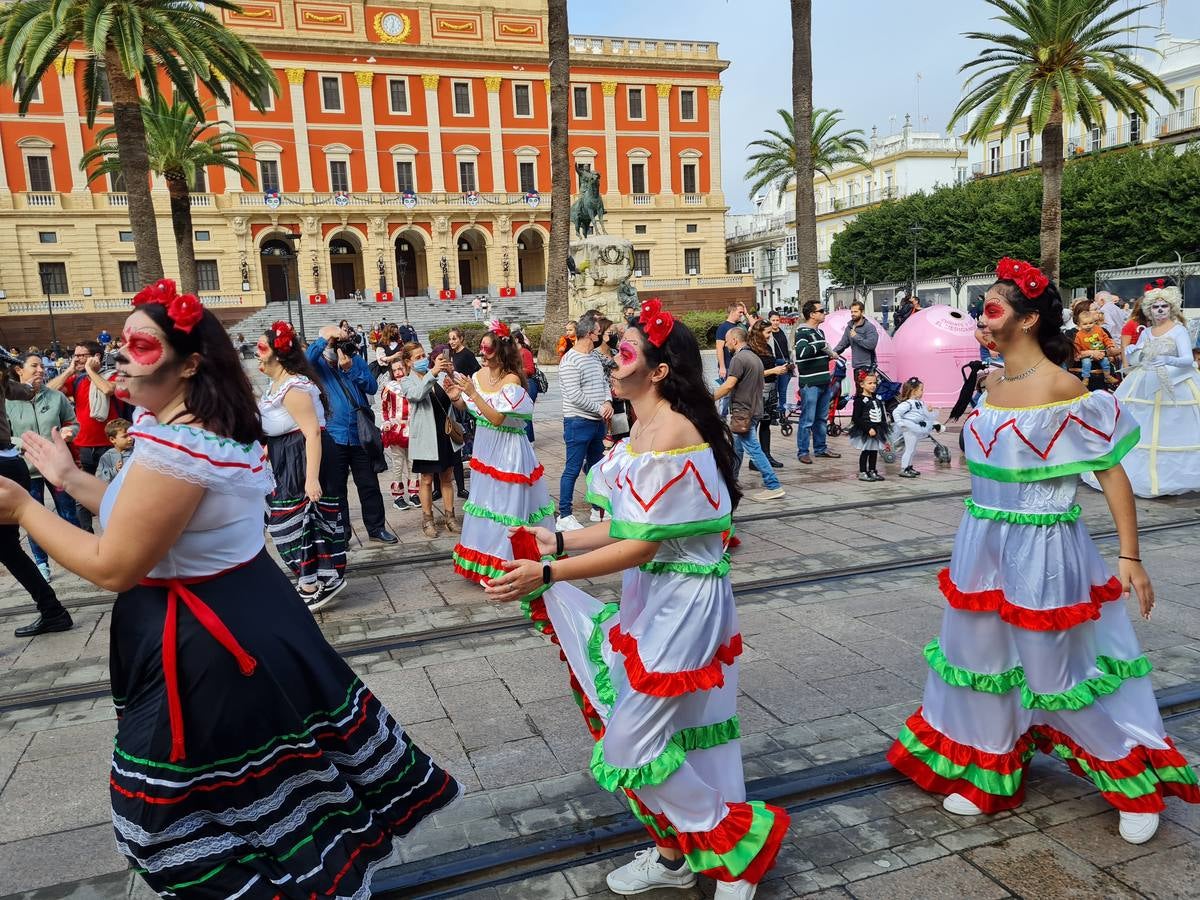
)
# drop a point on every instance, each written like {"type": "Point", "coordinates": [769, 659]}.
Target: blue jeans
{"type": "Point", "coordinates": [814, 417]}
{"type": "Point", "coordinates": [532, 389]}
{"type": "Point", "coordinates": [585, 445]}
{"type": "Point", "coordinates": [782, 383]}
{"type": "Point", "coordinates": [1086, 363]}
{"type": "Point", "coordinates": [748, 444]}
{"type": "Point", "coordinates": [64, 505]}
{"type": "Point", "coordinates": [723, 403]}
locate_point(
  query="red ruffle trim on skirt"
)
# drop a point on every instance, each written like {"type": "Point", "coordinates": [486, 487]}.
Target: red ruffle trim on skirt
{"type": "Point", "coordinates": [964, 754]}
{"type": "Point", "coordinates": [1057, 619]}
{"type": "Point", "coordinates": [723, 839]}
{"type": "Point", "coordinates": [924, 777]}
{"type": "Point", "coordinates": [673, 684]}
{"type": "Point", "coordinates": [475, 556]}
{"type": "Point", "coordinates": [478, 465]}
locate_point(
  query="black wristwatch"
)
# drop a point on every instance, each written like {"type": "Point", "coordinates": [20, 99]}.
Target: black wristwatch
{"type": "Point", "coordinates": [546, 575]}
{"type": "Point", "coordinates": [558, 541]}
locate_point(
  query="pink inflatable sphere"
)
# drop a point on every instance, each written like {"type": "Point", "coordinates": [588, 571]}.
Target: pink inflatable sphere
{"type": "Point", "coordinates": [934, 344]}
{"type": "Point", "coordinates": [834, 327]}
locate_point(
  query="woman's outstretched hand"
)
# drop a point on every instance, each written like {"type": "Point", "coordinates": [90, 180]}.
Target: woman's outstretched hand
{"type": "Point", "coordinates": [521, 577]}
{"type": "Point", "coordinates": [1134, 576]}
{"type": "Point", "coordinates": [50, 456]}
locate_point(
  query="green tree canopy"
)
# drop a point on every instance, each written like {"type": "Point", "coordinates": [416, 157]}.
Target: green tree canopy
{"type": "Point", "coordinates": [1120, 205]}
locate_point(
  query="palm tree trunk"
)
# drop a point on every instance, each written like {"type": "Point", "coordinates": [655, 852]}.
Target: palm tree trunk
{"type": "Point", "coordinates": [181, 224]}
{"type": "Point", "coordinates": [135, 164]}
{"type": "Point", "coordinates": [1052, 178]}
{"type": "Point", "coordinates": [802, 108]}
{"type": "Point", "coordinates": [560, 181]}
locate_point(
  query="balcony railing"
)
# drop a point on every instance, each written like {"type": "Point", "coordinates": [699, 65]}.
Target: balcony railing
{"type": "Point", "coordinates": [1178, 121]}
{"type": "Point", "coordinates": [35, 306]}
{"type": "Point", "coordinates": [1075, 145]}
{"type": "Point", "coordinates": [693, 281]}
{"type": "Point", "coordinates": [620, 46]}
{"type": "Point", "coordinates": [866, 198]}
{"type": "Point", "coordinates": [43, 199]}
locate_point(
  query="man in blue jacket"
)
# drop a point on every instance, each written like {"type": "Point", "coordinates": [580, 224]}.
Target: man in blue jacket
{"type": "Point", "coordinates": [348, 384]}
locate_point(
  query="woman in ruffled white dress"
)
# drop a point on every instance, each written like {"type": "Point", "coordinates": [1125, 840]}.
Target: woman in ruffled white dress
{"type": "Point", "coordinates": [1161, 391]}
{"type": "Point", "coordinates": [656, 674]}
{"type": "Point", "coordinates": [1036, 648]}
{"type": "Point", "coordinates": [507, 487]}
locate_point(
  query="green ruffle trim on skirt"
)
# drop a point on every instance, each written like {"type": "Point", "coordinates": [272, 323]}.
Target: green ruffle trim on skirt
{"type": "Point", "coordinates": [1021, 518]}
{"type": "Point", "coordinates": [663, 766]}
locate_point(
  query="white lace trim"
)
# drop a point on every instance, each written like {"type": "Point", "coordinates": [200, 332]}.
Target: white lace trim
{"type": "Point", "coordinates": [207, 477]}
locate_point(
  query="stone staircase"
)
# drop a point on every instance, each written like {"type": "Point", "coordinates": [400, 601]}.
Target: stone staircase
{"type": "Point", "coordinates": [424, 313]}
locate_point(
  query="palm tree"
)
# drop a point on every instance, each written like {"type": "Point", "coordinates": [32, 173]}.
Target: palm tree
{"type": "Point", "coordinates": [802, 140]}
{"type": "Point", "coordinates": [775, 163]}
{"type": "Point", "coordinates": [178, 147]}
{"type": "Point", "coordinates": [555, 318]}
{"type": "Point", "coordinates": [1062, 58]}
{"type": "Point", "coordinates": [128, 41]}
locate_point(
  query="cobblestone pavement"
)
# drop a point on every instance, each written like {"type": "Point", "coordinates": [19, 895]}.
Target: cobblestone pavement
{"type": "Point", "coordinates": [830, 670]}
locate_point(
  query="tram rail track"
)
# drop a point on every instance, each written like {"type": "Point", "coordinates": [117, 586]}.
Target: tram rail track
{"type": "Point", "coordinates": [505, 862]}
{"type": "Point", "coordinates": [430, 557]}
{"type": "Point", "coordinates": [350, 649]}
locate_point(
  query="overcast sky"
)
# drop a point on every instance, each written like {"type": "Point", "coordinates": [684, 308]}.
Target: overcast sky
{"type": "Point", "coordinates": [866, 56]}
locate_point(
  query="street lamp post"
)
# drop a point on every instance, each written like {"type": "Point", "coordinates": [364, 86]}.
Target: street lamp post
{"type": "Point", "coordinates": [916, 231]}
{"type": "Point", "coordinates": [288, 255]}
{"type": "Point", "coordinates": [401, 266]}
{"type": "Point", "coordinates": [957, 280]}
{"type": "Point", "coordinates": [771, 251]}
{"type": "Point", "coordinates": [49, 308]}
{"type": "Point", "coordinates": [382, 274]}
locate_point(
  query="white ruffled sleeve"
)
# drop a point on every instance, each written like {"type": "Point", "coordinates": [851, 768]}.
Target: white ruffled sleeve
{"type": "Point", "coordinates": [200, 457]}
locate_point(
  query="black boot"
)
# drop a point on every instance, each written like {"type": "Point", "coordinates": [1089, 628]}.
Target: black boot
{"type": "Point", "coordinates": [59, 621]}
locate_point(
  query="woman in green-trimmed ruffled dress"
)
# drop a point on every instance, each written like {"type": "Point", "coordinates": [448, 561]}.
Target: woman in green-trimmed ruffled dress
{"type": "Point", "coordinates": [656, 675]}
{"type": "Point", "coordinates": [1034, 652]}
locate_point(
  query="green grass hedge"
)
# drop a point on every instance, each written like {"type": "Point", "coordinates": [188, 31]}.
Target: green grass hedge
{"type": "Point", "coordinates": [474, 331]}
{"type": "Point", "coordinates": [703, 325]}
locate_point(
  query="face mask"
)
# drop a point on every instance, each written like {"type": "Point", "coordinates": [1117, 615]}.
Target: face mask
{"type": "Point", "coordinates": [330, 355]}
{"type": "Point", "coordinates": [612, 341]}
{"type": "Point", "coordinates": [421, 365]}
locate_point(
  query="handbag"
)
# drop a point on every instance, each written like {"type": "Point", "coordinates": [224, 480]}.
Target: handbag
{"type": "Point", "coordinates": [539, 378]}
{"type": "Point", "coordinates": [369, 435]}
{"type": "Point", "coordinates": [452, 429]}
{"type": "Point", "coordinates": [739, 421]}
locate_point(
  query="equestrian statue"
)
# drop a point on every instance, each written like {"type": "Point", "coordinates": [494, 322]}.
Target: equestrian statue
{"type": "Point", "coordinates": [587, 213]}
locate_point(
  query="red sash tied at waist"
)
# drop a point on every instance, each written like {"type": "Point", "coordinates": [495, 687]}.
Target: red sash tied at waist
{"type": "Point", "coordinates": [177, 589]}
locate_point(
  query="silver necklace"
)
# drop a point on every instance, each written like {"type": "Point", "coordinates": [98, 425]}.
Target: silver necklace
{"type": "Point", "coordinates": [1025, 374]}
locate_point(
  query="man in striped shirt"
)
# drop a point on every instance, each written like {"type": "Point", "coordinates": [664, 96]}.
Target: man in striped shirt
{"type": "Point", "coordinates": [587, 408]}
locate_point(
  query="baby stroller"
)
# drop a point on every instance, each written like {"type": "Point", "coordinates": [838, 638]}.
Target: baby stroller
{"type": "Point", "coordinates": [837, 401]}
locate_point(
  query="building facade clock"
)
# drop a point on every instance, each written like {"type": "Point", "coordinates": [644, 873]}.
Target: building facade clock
{"type": "Point", "coordinates": [392, 27]}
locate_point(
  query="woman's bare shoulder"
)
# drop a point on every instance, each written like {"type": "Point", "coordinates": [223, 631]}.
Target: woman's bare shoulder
{"type": "Point", "coordinates": [676, 431]}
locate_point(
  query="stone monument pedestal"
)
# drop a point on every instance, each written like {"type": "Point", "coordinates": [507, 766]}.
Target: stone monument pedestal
{"type": "Point", "coordinates": [605, 264]}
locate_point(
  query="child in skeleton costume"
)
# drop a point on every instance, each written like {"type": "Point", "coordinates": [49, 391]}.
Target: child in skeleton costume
{"type": "Point", "coordinates": [1161, 392]}
{"type": "Point", "coordinates": [1036, 650]}
{"type": "Point", "coordinates": [870, 426]}
{"type": "Point", "coordinates": [656, 674]}
{"type": "Point", "coordinates": [915, 421]}
{"type": "Point", "coordinates": [507, 487]}
{"type": "Point", "coordinates": [249, 760]}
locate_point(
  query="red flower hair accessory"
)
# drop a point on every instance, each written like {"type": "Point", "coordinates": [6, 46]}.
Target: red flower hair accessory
{"type": "Point", "coordinates": [655, 321]}
{"type": "Point", "coordinates": [1147, 288]}
{"type": "Point", "coordinates": [184, 310]}
{"type": "Point", "coordinates": [284, 336]}
{"type": "Point", "coordinates": [499, 329]}
{"type": "Point", "coordinates": [162, 291]}
{"type": "Point", "coordinates": [1026, 276]}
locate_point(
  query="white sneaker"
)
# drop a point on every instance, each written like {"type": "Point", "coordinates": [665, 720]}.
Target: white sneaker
{"type": "Point", "coordinates": [646, 873]}
{"type": "Point", "coordinates": [960, 806]}
{"type": "Point", "coordinates": [1137, 828]}
{"type": "Point", "coordinates": [735, 890]}
{"type": "Point", "coordinates": [44, 568]}
{"type": "Point", "coordinates": [767, 494]}
{"type": "Point", "coordinates": [567, 523]}
{"type": "Point", "coordinates": [597, 515]}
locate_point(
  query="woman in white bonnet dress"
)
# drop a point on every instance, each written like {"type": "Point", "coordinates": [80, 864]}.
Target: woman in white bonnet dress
{"type": "Point", "coordinates": [1161, 391]}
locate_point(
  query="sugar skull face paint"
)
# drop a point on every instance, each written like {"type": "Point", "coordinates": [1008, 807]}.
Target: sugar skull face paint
{"type": "Point", "coordinates": [1160, 311]}
{"type": "Point", "coordinates": [993, 310]}
{"type": "Point", "coordinates": [487, 348]}
{"type": "Point", "coordinates": [141, 346]}
{"type": "Point", "coordinates": [627, 354]}
{"type": "Point", "coordinates": [262, 349]}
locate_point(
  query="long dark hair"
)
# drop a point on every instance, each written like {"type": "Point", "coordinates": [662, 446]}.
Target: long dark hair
{"type": "Point", "coordinates": [685, 389]}
{"type": "Point", "coordinates": [219, 394]}
{"type": "Point", "coordinates": [509, 355]}
{"type": "Point", "coordinates": [295, 362]}
{"type": "Point", "coordinates": [1049, 308]}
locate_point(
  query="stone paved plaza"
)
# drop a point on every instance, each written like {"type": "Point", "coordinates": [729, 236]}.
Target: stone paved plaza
{"type": "Point", "coordinates": [832, 666]}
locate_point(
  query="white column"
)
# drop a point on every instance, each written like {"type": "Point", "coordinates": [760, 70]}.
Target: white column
{"type": "Point", "coordinates": [495, 135]}
{"type": "Point", "coordinates": [664, 138]}
{"type": "Point", "coordinates": [71, 121]}
{"type": "Point", "coordinates": [714, 141]}
{"type": "Point", "coordinates": [233, 181]}
{"type": "Point", "coordinates": [611, 175]}
{"type": "Point", "coordinates": [295, 79]}
{"type": "Point", "coordinates": [366, 107]}
{"type": "Point", "coordinates": [433, 116]}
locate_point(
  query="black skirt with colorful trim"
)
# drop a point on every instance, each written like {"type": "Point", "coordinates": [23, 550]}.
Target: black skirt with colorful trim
{"type": "Point", "coordinates": [290, 781]}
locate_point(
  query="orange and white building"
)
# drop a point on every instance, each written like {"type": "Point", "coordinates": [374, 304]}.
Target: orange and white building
{"type": "Point", "coordinates": [407, 149]}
